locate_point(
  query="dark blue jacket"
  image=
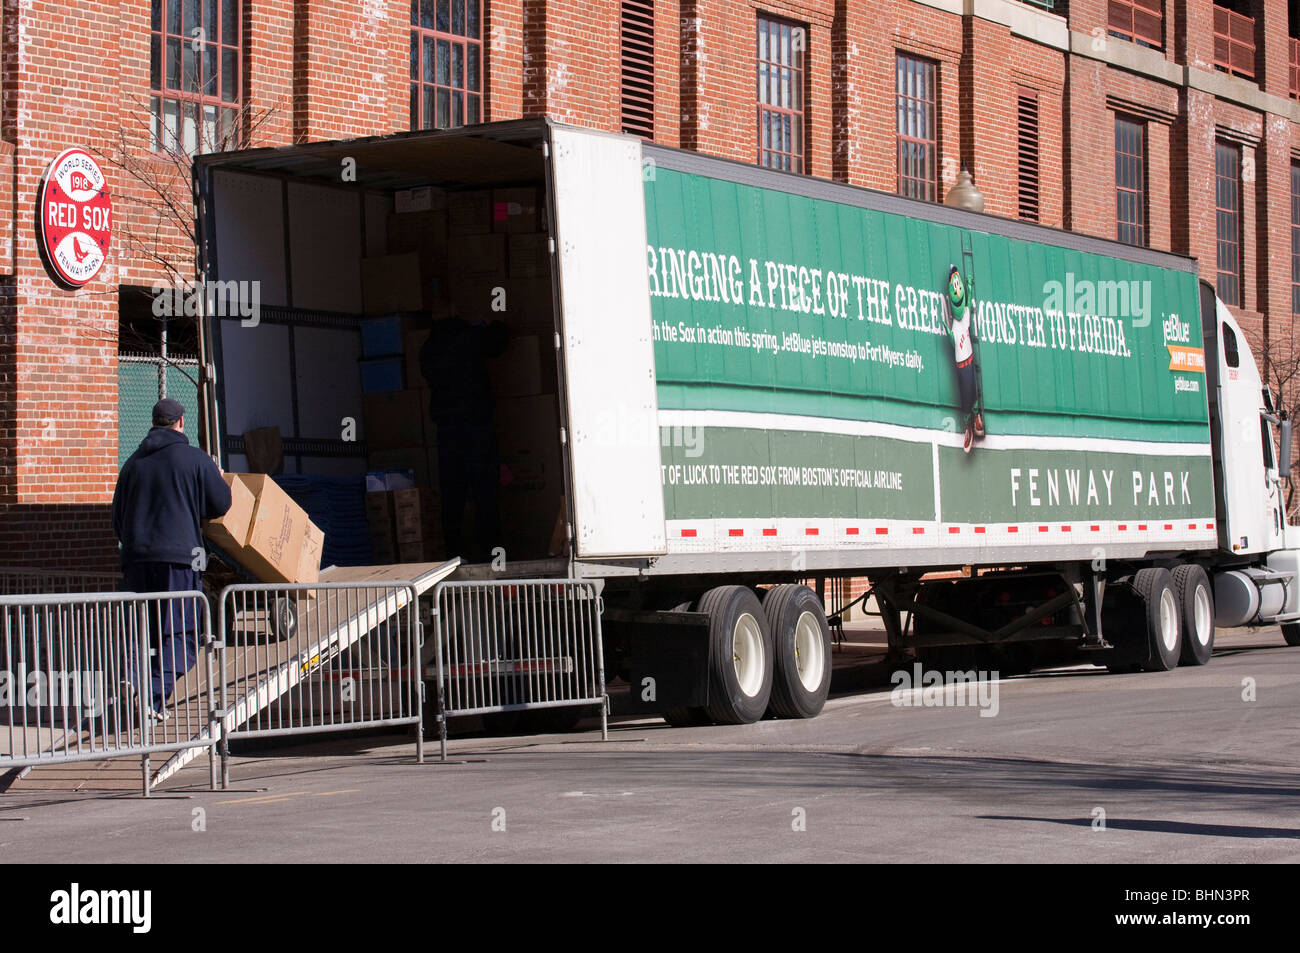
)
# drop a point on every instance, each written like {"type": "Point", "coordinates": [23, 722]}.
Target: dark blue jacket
{"type": "Point", "coordinates": [163, 492]}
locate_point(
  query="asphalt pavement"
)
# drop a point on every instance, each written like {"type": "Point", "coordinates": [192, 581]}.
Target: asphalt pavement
{"type": "Point", "coordinates": [1076, 765]}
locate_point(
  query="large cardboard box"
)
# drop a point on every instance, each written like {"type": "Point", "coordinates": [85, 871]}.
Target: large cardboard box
{"type": "Point", "coordinates": [516, 210]}
{"type": "Point", "coordinates": [391, 283]}
{"type": "Point", "coordinates": [393, 420]}
{"type": "Point", "coordinates": [529, 254]}
{"type": "Point", "coordinates": [469, 213]}
{"type": "Point", "coordinates": [313, 542]}
{"type": "Point", "coordinates": [230, 532]}
{"type": "Point", "coordinates": [276, 533]}
{"type": "Point", "coordinates": [473, 257]}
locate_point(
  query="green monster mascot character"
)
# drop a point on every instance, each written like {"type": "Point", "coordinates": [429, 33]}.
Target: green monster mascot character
{"type": "Point", "coordinates": [957, 312]}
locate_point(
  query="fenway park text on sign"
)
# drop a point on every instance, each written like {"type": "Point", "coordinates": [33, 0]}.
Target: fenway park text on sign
{"type": "Point", "coordinates": [76, 217]}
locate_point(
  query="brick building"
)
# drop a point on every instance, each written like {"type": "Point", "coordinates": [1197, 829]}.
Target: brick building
{"type": "Point", "coordinates": [1171, 123]}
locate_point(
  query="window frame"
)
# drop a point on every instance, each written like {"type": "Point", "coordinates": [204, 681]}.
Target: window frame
{"type": "Point", "coordinates": [162, 93]}
{"type": "Point", "coordinates": [796, 158]}
{"type": "Point", "coordinates": [424, 38]}
{"type": "Point", "coordinates": [928, 183]}
{"type": "Point", "coordinates": [1228, 185]}
{"type": "Point", "coordinates": [1138, 228]}
{"type": "Point", "coordinates": [1295, 238]}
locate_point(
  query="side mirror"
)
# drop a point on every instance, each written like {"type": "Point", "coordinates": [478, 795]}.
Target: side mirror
{"type": "Point", "coordinates": [1284, 451]}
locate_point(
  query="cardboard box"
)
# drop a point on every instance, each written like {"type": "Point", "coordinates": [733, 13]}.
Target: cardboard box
{"type": "Point", "coordinates": [475, 257]}
{"type": "Point", "coordinates": [276, 532]}
{"type": "Point", "coordinates": [313, 542]}
{"type": "Point", "coordinates": [420, 199]}
{"type": "Point", "coordinates": [391, 283]}
{"type": "Point", "coordinates": [469, 213]}
{"type": "Point", "coordinates": [529, 255]}
{"type": "Point", "coordinates": [393, 420]}
{"type": "Point", "coordinates": [516, 210]}
{"type": "Point", "coordinates": [379, 515]}
{"type": "Point", "coordinates": [230, 531]}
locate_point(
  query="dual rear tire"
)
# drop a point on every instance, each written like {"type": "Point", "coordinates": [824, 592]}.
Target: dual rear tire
{"type": "Point", "coordinates": [773, 656]}
{"type": "Point", "coordinates": [1167, 621]}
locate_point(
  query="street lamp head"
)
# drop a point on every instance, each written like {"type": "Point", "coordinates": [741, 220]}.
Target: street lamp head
{"type": "Point", "coordinates": [964, 193]}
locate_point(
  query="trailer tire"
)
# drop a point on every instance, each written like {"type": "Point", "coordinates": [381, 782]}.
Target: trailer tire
{"type": "Point", "coordinates": [740, 655]}
{"type": "Point", "coordinates": [801, 677]}
{"type": "Point", "coordinates": [1155, 588]}
{"type": "Point", "coordinates": [1291, 633]}
{"type": "Point", "coordinates": [1196, 610]}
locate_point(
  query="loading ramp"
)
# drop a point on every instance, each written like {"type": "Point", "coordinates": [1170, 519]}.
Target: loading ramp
{"type": "Point", "coordinates": [256, 674]}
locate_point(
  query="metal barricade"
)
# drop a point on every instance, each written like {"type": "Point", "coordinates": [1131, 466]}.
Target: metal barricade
{"type": "Point", "coordinates": [318, 657]}
{"type": "Point", "coordinates": [90, 676]}
{"type": "Point", "coordinates": [515, 645]}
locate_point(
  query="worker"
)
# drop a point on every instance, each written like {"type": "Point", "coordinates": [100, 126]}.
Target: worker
{"type": "Point", "coordinates": [454, 363]}
{"type": "Point", "coordinates": [164, 491]}
{"type": "Point", "coordinates": [957, 312]}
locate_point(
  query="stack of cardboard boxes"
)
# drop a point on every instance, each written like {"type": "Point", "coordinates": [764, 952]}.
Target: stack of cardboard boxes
{"type": "Point", "coordinates": [479, 255]}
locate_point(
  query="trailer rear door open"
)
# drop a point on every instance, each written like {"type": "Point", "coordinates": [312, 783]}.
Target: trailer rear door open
{"type": "Point", "coordinates": [618, 502]}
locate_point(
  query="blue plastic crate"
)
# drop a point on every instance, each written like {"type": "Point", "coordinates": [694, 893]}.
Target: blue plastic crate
{"type": "Point", "coordinates": [381, 336]}
{"type": "Point", "coordinates": [382, 375]}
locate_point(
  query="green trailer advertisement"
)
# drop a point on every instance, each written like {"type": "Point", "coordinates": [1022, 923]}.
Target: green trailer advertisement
{"type": "Point", "coordinates": [809, 376]}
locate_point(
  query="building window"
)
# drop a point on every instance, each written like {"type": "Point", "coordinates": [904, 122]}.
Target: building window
{"type": "Point", "coordinates": [1227, 208]}
{"type": "Point", "coordinates": [446, 63]}
{"type": "Point", "coordinates": [1141, 21]}
{"type": "Point", "coordinates": [781, 48]}
{"type": "Point", "coordinates": [1027, 142]}
{"type": "Point", "coordinates": [1295, 239]}
{"type": "Point", "coordinates": [194, 70]}
{"type": "Point", "coordinates": [918, 128]}
{"type": "Point", "coordinates": [1234, 40]}
{"type": "Point", "coordinates": [637, 37]}
{"type": "Point", "coordinates": [1130, 180]}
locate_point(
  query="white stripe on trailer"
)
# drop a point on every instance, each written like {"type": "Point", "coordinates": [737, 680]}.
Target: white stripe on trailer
{"type": "Point", "coordinates": [748, 420]}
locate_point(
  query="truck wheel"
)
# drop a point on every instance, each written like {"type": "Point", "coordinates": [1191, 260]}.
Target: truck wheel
{"type": "Point", "coordinates": [1155, 588]}
{"type": "Point", "coordinates": [1196, 614]}
{"type": "Point", "coordinates": [801, 677]}
{"type": "Point", "coordinates": [740, 655]}
{"type": "Point", "coordinates": [1291, 632]}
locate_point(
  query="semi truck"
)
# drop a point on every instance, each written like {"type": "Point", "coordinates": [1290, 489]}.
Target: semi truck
{"type": "Point", "coordinates": [749, 378]}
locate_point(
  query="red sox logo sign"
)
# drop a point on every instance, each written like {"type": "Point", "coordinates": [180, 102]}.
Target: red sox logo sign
{"type": "Point", "coordinates": [75, 223]}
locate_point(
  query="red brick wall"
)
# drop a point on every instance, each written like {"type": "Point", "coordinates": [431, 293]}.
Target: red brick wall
{"type": "Point", "coordinates": [316, 69]}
